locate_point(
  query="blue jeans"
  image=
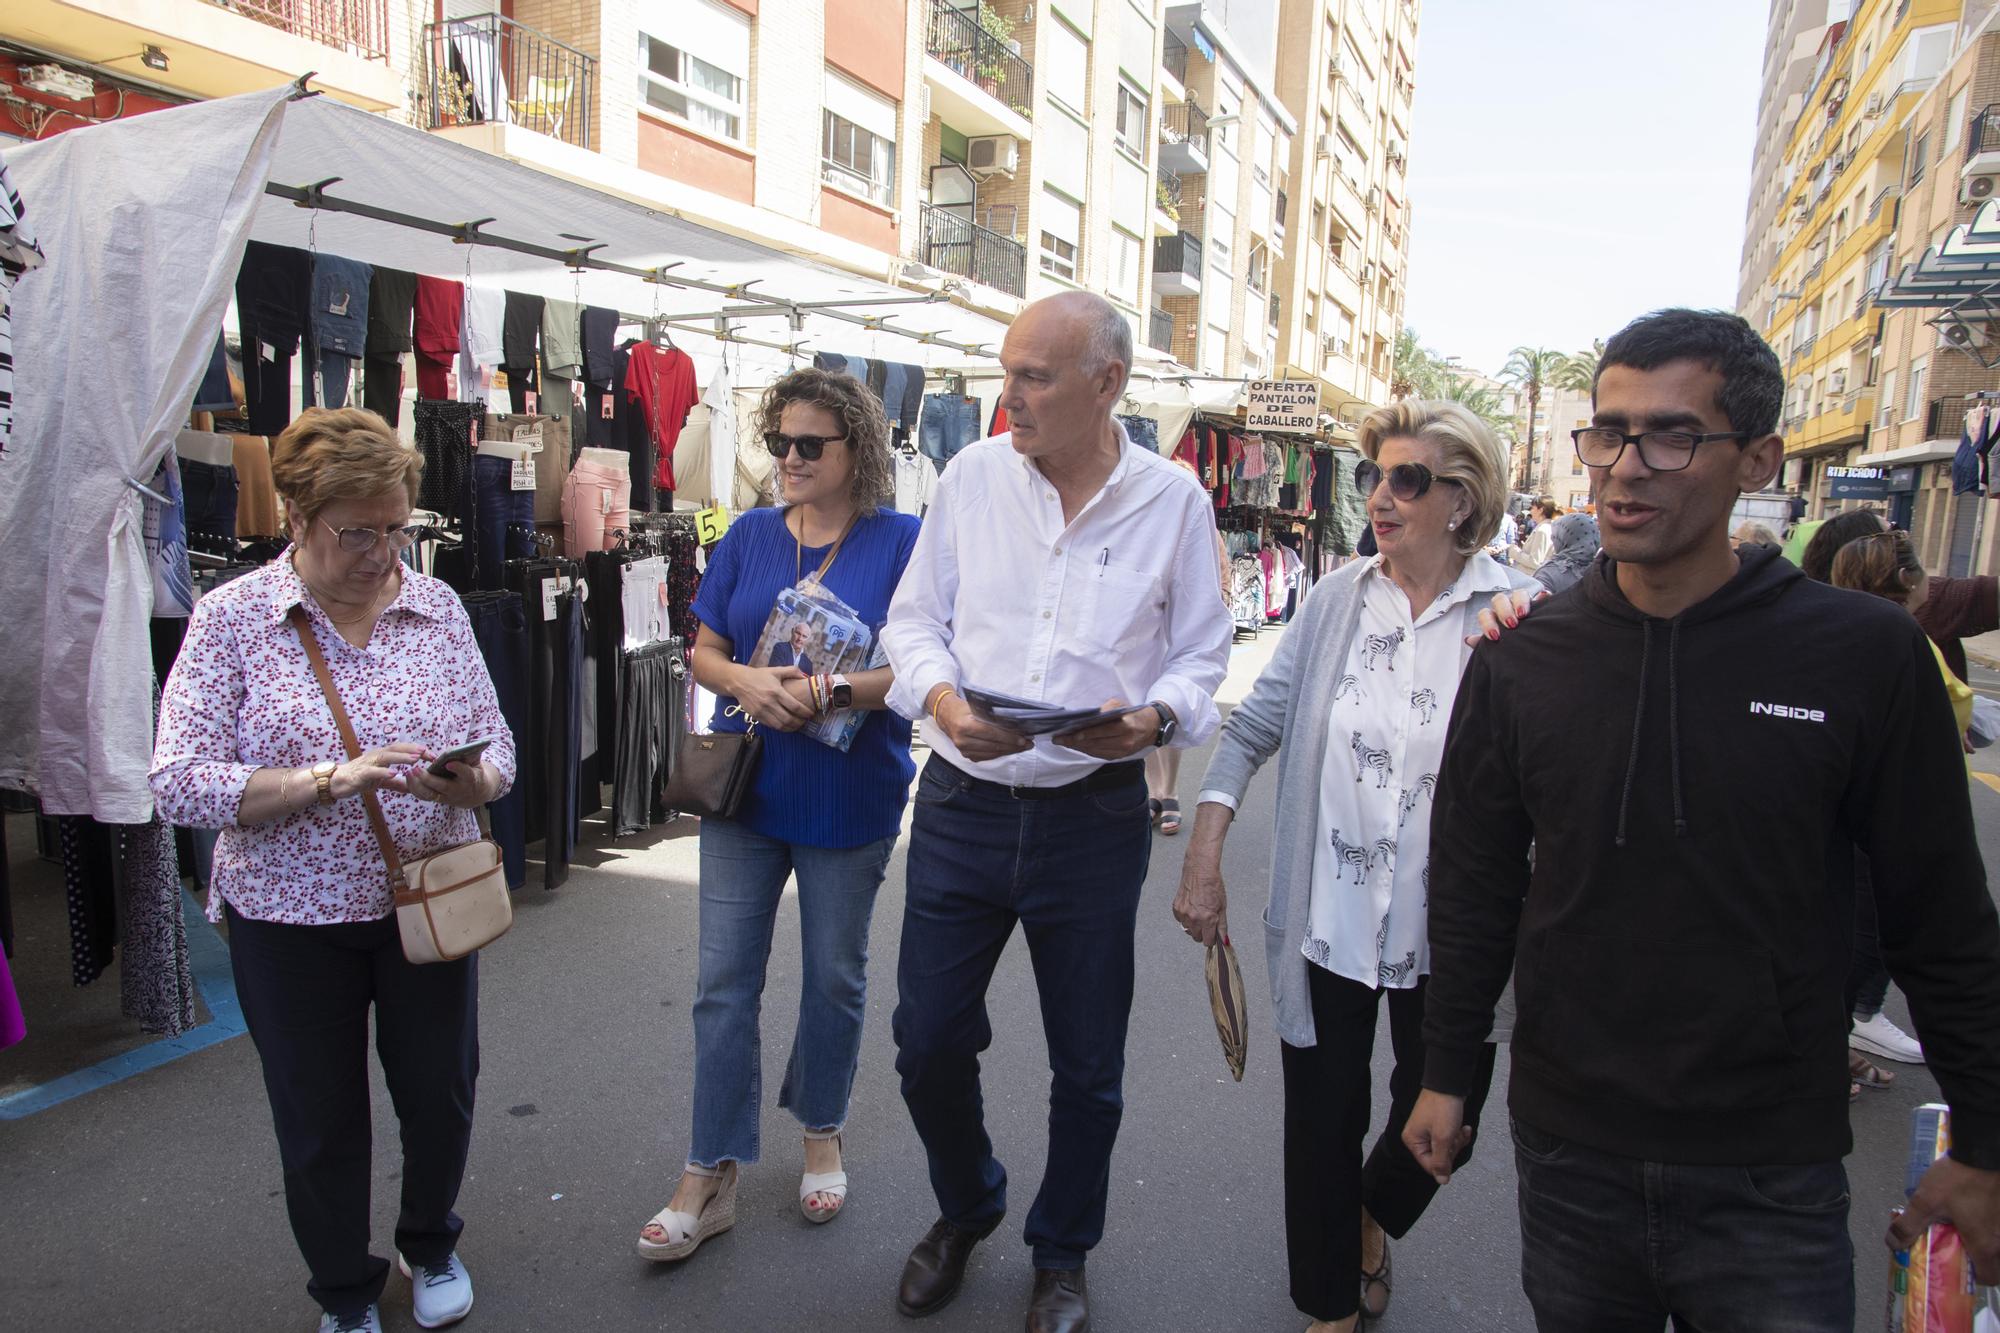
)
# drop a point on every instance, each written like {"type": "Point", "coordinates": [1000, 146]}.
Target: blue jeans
{"type": "Point", "coordinates": [1069, 870]}
{"type": "Point", "coordinates": [503, 519]}
{"type": "Point", "coordinates": [949, 423]}
{"type": "Point", "coordinates": [1617, 1245]}
{"type": "Point", "coordinates": [743, 877]}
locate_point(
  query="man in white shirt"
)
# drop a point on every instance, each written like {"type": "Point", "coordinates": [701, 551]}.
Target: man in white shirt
{"type": "Point", "coordinates": [1058, 563]}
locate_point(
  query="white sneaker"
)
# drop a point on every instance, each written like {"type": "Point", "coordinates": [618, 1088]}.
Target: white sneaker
{"type": "Point", "coordinates": [367, 1321]}
{"type": "Point", "coordinates": [441, 1292]}
{"type": "Point", "coordinates": [1879, 1036]}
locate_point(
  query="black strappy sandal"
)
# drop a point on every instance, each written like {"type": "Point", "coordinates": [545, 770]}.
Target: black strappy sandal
{"type": "Point", "coordinates": [1376, 1278]}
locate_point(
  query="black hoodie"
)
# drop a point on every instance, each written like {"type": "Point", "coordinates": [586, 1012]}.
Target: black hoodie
{"type": "Point", "coordinates": [1693, 789]}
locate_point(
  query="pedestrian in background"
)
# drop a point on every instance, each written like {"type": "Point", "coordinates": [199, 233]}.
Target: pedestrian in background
{"type": "Point", "coordinates": [1573, 541]}
{"type": "Point", "coordinates": [1885, 565]}
{"type": "Point", "coordinates": [1753, 534]}
{"type": "Point", "coordinates": [1355, 706]}
{"type": "Point", "coordinates": [1533, 552]}
{"type": "Point", "coordinates": [828, 817]}
{"type": "Point", "coordinates": [247, 744]}
{"type": "Point", "coordinates": [1059, 562]}
{"type": "Point", "coordinates": [1676, 1084]}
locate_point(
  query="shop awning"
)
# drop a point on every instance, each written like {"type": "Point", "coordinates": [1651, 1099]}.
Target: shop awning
{"type": "Point", "coordinates": [1930, 451]}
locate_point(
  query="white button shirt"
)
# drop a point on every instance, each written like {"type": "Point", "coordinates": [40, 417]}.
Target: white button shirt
{"type": "Point", "coordinates": [1370, 905]}
{"type": "Point", "coordinates": [1120, 603]}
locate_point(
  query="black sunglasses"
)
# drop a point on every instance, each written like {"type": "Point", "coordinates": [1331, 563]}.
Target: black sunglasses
{"type": "Point", "coordinates": [1407, 481]}
{"type": "Point", "coordinates": [810, 447]}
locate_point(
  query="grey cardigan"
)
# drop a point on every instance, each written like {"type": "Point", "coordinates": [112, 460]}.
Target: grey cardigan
{"type": "Point", "coordinates": [1287, 714]}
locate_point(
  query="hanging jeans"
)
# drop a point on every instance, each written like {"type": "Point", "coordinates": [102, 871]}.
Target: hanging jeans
{"type": "Point", "coordinates": [208, 491]}
{"type": "Point", "coordinates": [950, 422]}
{"type": "Point", "coordinates": [499, 625]}
{"type": "Point", "coordinates": [596, 502]}
{"type": "Point", "coordinates": [503, 520]}
{"type": "Point", "coordinates": [306, 992]}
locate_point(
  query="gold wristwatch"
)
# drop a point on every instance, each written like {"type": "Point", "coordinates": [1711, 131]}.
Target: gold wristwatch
{"type": "Point", "coordinates": [323, 776]}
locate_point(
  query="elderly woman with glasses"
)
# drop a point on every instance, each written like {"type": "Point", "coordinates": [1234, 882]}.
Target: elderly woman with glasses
{"type": "Point", "coordinates": [825, 816]}
{"type": "Point", "coordinates": [247, 744]}
{"type": "Point", "coordinates": [1355, 705]}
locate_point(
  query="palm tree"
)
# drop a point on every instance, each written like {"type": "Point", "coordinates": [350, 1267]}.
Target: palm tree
{"type": "Point", "coordinates": [1531, 370]}
{"type": "Point", "coordinates": [1578, 371]}
{"type": "Point", "coordinates": [1417, 371]}
{"type": "Point", "coordinates": [1481, 400]}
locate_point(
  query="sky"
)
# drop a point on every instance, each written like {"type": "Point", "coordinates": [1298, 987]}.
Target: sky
{"type": "Point", "coordinates": [1575, 163]}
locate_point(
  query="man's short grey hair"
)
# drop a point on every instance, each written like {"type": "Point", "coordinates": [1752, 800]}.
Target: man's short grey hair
{"type": "Point", "coordinates": [1110, 340]}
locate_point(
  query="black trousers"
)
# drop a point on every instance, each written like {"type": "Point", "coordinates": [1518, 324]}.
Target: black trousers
{"type": "Point", "coordinates": [305, 992]}
{"type": "Point", "coordinates": [1327, 1102]}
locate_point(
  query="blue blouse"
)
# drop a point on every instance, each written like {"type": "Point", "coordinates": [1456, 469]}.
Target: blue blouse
{"type": "Point", "coordinates": [805, 792]}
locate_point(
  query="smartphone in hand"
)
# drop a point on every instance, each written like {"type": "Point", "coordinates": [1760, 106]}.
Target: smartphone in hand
{"type": "Point", "coordinates": [467, 753]}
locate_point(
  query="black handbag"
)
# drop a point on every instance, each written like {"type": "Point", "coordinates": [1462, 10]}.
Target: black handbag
{"type": "Point", "coordinates": [712, 771]}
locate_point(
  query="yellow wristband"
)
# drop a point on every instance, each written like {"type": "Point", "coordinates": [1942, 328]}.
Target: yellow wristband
{"type": "Point", "coordinates": [946, 693]}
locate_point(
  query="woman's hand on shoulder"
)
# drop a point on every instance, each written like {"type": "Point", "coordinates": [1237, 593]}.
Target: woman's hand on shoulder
{"type": "Point", "coordinates": [1506, 612]}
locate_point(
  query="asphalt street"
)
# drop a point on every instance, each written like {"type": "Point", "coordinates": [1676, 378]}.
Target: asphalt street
{"type": "Point", "coordinates": [156, 1202]}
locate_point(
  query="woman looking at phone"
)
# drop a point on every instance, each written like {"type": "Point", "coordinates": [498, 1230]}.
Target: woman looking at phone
{"type": "Point", "coordinates": [247, 744]}
{"type": "Point", "coordinates": [828, 817]}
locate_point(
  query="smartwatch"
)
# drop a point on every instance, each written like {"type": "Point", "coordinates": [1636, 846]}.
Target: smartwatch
{"type": "Point", "coordinates": [1169, 725]}
{"type": "Point", "coordinates": [323, 776]}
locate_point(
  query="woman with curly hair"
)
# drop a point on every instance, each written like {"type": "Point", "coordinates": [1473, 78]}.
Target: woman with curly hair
{"type": "Point", "coordinates": [829, 817]}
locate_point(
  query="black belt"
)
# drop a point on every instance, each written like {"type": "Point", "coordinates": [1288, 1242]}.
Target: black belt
{"type": "Point", "coordinates": [1107, 778]}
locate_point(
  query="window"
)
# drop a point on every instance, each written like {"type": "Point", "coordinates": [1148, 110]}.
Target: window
{"type": "Point", "coordinates": [1132, 119]}
{"type": "Point", "coordinates": [858, 142]}
{"type": "Point", "coordinates": [1888, 412]}
{"type": "Point", "coordinates": [698, 77]}
{"type": "Point", "coordinates": [1126, 262]}
{"type": "Point", "coordinates": [1062, 226]}
{"type": "Point", "coordinates": [1919, 157]}
{"type": "Point", "coordinates": [1954, 121]}
{"type": "Point", "coordinates": [1915, 402]}
{"type": "Point", "coordinates": [1259, 262]}
{"type": "Point", "coordinates": [1312, 312]}
{"type": "Point", "coordinates": [1575, 464]}
{"type": "Point", "coordinates": [1062, 62]}
{"type": "Point", "coordinates": [1340, 331]}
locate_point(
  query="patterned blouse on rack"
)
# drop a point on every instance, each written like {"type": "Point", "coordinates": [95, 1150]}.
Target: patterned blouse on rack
{"type": "Point", "coordinates": [242, 696]}
{"type": "Point", "coordinates": [1369, 918]}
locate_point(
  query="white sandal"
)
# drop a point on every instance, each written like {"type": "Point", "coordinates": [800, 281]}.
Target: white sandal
{"type": "Point", "coordinates": [832, 1183]}
{"type": "Point", "coordinates": [686, 1231]}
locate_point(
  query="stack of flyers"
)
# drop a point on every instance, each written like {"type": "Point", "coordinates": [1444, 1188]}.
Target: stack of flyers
{"type": "Point", "coordinates": [813, 630]}
{"type": "Point", "coordinates": [1032, 718]}
{"type": "Point", "coordinates": [1931, 1288]}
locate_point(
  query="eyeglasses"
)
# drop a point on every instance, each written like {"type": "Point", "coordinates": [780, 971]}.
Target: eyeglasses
{"type": "Point", "coordinates": [1659, 450]}
{"type": "Point", "coordinates": [810, 447]}
{"type": "Point", "coordinates": [1407, 481]}
{"type": "Point", "coordinates": [357, 541]}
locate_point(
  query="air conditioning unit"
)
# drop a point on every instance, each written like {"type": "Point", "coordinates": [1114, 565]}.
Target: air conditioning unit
{"type": "Point", "coordinates": [1978, 189]}
{"type": "Point", "coordinates": [1876, 104]}
{"type": "Point", "coordinates": [1836, 381]}
{"type": "Point", "coordinates": [1965, 334]}
{"type": "Point", "coordinates": [993, 155]}
{"type": "Point", "coordinates": [1374, 198]}
{"type": "Point", "coordinates": [1840, 162]}
{"type": "Point", "coordinates": [1322, 146]}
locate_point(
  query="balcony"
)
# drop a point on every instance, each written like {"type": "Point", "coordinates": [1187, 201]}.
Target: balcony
{"type": "Point", "coordinates": [1168, 203]}
{"type": "Point", "coordinates": [954, 243]}
{"type": "Point", "coordinates": [488, 69]}
{"type": "Point", "coordinates": [358, 27]}
{"type": "Point", "coordinates": [979, 83]}
{"type": "Point", "coordinates": [1946, 417]}
{"type": "Point", "coordinates": [1160, 331]}
{"type": "Point", "coordinates": [1177, 265]}
{"type": "Point", "coordinates": [1184, 138]}
{"type": "Point", "coordinates": [1875, 205]}
{"type": "Point", "coordinates": [1984, 136]}
{"type": "Point", "coordinates": [1174, 58]}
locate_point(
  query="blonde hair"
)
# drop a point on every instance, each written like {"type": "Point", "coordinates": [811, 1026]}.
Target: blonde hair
{"type": "Point", "coordinates": [1469, 454]}
{"type": "Point", "coordinates": [330, 454]}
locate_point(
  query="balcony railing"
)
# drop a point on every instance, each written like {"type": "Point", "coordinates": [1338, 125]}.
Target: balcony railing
{"type": "Point", "coordinates": [957, 38]}
{"type": "Point", "coordinates": [1173, 54]}
{"type": "Point", "coordinates": [1185, 122]}
{"type": "Point", "coordinates": [358, 27]}
{"type": "Point", "coordinates": [1167, 194]}
{"type": "Point", "coordinates": [955, 243]}
{"type": "Point", "coordinates": [1179, 253]}
{"type": "Point", "coordinates": [1946, 417]}
{"type": "Point", "coordinates": [1984, 135]}
{"type": "Point", "coordinates": [1160, 331]}
{"type": "Point", "coordinates": [1888, 192]}
{"type": "Point", "coordinates": [490, 69]}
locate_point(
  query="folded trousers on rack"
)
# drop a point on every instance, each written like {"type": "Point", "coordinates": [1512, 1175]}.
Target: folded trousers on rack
{"type": "Point", "coordinates": [503, 526]}
{"type": "Point", "coordinates": [500, 627]}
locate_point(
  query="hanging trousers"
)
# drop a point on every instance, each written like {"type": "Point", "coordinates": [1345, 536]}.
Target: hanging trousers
{"type": "Point", "coordinates": [500, 627]}
{"type": "Point", "coordinates": [1327, 1101]}
{"type": "Point", "coordinates": [652, 698]}
{"type": "Point", "coordinates": [306, 992]}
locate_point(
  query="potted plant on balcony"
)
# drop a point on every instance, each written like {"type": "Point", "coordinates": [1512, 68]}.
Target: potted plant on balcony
{"type": "Point", "coordinates": [1166, 201]}
{"type": "Point", "coordinates": [991, 66]}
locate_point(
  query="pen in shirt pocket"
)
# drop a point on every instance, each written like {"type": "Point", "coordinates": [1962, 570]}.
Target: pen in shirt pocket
{"type": "Point", "coordinates": [1103, 559]}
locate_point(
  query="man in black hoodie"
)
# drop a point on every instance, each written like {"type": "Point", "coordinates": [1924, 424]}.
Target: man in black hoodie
{"type": "Point", "coordinates": [1679, 1087]}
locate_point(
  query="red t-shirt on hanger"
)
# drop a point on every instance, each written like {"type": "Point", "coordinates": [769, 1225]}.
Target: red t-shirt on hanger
{"type": "Point", "coordinates": [661, 380]}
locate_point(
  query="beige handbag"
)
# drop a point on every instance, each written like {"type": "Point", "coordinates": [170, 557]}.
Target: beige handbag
{"type": "Point", "coordinates": [448, 903]}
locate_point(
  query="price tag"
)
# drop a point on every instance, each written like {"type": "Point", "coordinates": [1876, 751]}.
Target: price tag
{"type": "Point", "coordinates": [529, 399]}
{"type": "Point", "coordinates": [524, 474]}
{"type": "Point", "coordinates": [576, 393]}
{"type": "Point", "coordinates": [710, 524]}
{"type": "Point", "coordinates": [339, 305]}
{"type": "Point", "coordinates": [530, 434]}
{"type": "Point", "coordinates": [266, 352]}
{"type": "Point", "coordinates": [548, 599]}
{"type": "Point", "coordinates": [319, 388]}
{"type": "Point", "coordinates": [604, 502]}
{"type": "Point", "coordinates": [610, 405]}
{"type": "Point", "coordinates": [451, 382]}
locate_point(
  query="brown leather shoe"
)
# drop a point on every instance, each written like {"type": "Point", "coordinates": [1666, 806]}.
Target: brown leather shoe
{"type": "Point", "coordinates": [1061, 1303]}
{"type": "Point", "coordinates": [936, 1267]}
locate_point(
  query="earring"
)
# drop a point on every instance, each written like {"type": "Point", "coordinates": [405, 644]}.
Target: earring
{"type": "Point", "coordinates": [1451, 526]}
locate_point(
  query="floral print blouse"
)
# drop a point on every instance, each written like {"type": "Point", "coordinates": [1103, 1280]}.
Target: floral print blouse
{"type": "Point", "coordinates": [242, 696]}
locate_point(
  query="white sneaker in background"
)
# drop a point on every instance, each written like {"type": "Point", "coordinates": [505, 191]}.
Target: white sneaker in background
{"type": "Point", "coordinates": [1879, 1036]}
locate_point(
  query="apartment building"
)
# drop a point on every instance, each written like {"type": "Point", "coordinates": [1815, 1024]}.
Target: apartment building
{"type": "Point", "coordinates": [1348, 68]}
{"type": "Point", "coordinates": [1553, 469]}
{"type": "Point", "coordinates": [1847, 159]}
{"type": "Point", "coordinates": [1931, 361]}
{"type": "Point", "coordinates": [1793, 36]}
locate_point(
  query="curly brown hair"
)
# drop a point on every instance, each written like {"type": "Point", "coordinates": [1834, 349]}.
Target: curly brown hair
{"type": "Point", "coordinates": [861, 418]}
{"type": "Point", "coordinates": [1884, 564]}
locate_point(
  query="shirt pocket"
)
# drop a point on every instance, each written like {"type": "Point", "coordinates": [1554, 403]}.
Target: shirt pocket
{"type": "Point", "coordinates": [1118, 607]}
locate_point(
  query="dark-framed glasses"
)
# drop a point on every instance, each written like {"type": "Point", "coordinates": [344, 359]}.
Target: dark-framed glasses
{"type": "Point", "coordinates": [358, 541]}
{"type": "Point", "coordinates": [1659, 450]}
{"type": "Point", "coordinates": [810, 447]}
{"type": "Point", "coordinates": [1407, 481]}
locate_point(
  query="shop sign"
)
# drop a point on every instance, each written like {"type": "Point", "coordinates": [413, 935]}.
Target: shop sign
{"type": "Point", "coordinates": [1284, 405]}
{"type": "Point", "coordinates": [1902, 480]}
{"type": "Point", "coordinates": [1857, 483]}
{"type": "Point", "coordinates": [710, 524]}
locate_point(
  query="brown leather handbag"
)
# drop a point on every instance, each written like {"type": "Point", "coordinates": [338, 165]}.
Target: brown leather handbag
{"type": "Point", "coordinates": [448, 903]}
{"type": "Point", "coordinates": [712, 772]}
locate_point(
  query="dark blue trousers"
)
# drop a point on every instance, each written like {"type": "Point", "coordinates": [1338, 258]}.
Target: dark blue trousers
{"type": "Point", "coordinates": [1068, 870]}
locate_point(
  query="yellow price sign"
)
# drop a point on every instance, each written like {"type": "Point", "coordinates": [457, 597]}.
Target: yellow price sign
{"type": "Point", "coordinates": [710, 524]}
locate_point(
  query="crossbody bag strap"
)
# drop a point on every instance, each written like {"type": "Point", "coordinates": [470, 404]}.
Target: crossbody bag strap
{"type": "Point", "coordinates": [350, 743]}
{"type": "Point", "coordinates": [819, 575]}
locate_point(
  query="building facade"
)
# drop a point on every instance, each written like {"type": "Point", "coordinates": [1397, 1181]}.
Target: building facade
{"type": "Point", "coordinates": [1793, 37]}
